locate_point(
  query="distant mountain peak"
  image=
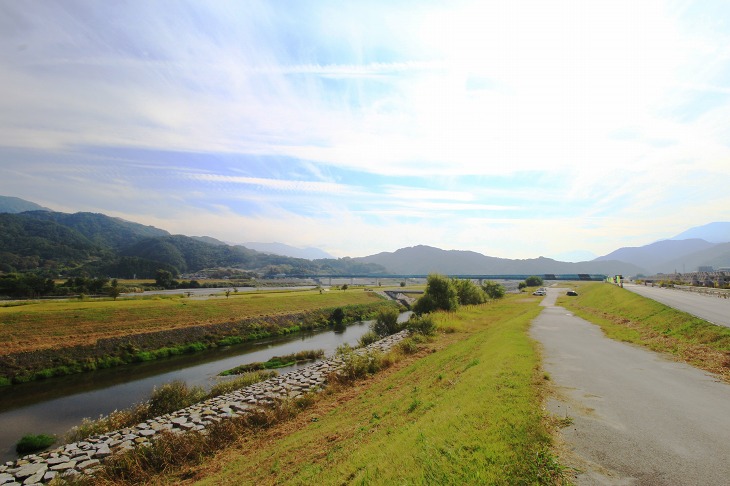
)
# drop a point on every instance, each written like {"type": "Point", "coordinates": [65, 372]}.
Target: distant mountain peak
{"type": "Point", "coordinates": [423, 259]}
{"type": "Point", "coordinates": [9, 204]}
{"type": "Point", "coordinates": [717, 232]}
{"type": "Point", "coordinates": [275, 248]}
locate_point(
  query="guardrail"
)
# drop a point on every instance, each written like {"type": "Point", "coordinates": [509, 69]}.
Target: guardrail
{"type": "Point", "coordinates": [719, 293]}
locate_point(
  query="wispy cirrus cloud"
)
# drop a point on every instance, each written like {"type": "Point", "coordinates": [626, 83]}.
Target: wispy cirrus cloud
{"type": "Point", "coordinates": [280, 184]}
{"type": "Point", "coordinates": [459, 116]}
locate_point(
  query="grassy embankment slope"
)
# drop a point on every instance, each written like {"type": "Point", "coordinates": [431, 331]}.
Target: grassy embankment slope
{"type": "Point", "coordinates": [465, 411]}
{"type": "Point", "coordinates": [626, 316]}
{"type": "Point", "coordinates": [56, 324]}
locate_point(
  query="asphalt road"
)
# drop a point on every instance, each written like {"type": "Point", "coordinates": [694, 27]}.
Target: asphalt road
{"type": "Point", "coordinates": [713, 309]}
{"type": "Point", "coordinates": [637, 418]}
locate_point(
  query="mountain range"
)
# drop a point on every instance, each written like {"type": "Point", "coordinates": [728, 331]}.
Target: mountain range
{"type": "Point", "coordinates": [92, 244]}
{"type": "Point", "coordinates": [701, 246]}
{"type": "Point", "coordinates": [309, 253]}
{"type": "Point", "coordinates": [33, 238]}
{"type": "Point", "coordinates": [425, 259]}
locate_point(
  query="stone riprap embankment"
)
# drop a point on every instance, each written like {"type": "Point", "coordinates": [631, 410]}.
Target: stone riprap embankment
{"type": "Point", "coordinates": [84, 456]}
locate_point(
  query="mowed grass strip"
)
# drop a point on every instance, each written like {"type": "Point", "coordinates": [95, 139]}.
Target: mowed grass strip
{"type": "Point", "coordinates": [626, 316]}
{"type": "Point", "coordinates": [467, 411]}
{"type": "Point", "coordinates": [68, 323]}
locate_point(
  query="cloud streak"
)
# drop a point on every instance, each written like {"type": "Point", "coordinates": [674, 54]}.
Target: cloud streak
{"type": "Point", "coordinates": [442, 119]}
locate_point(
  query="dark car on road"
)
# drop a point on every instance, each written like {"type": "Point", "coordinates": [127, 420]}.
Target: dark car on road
{"type": "Point", "coordinates": [572, 293]}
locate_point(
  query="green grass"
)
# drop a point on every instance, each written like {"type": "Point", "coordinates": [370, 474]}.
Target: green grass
{"type": "Point", "coordinates": [34, 443]}
{"type": "Point", "coordinates": [275, 362]}
{"type": "Point", "coordinates": [468, 413]}
{"type": "Point", "coordinates": [626, 316]}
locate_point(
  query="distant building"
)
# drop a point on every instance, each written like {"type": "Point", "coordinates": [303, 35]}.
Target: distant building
{"type": "Point", "coordinates": [705, 268]}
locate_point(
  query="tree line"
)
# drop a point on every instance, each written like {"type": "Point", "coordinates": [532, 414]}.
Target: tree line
{"type": "Point", "coordinates": [443, 293]}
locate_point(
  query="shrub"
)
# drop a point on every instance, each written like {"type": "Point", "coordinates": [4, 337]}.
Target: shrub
{"type": "Point", "coordinates": [240, 381]}
{"type": "Point", "coordinates": [338, 315]}
{"type": "Point", "coordinates": [386, 323]}
{"type": "Point", "coordinates": [493, 289]}
{"type": "Point", "coordinates": [34, 443]}
{"type": "Point", "coordinates": [407, 346]}
{"type": "Point", "coordinates": [128, 417]}
{"type": "Point", "coordinates": [533, 281]}
{"type": "Point", "coordinates": [230, 340]}
{"type": "Point", "coordinates": [440, 294]}
{"type": "Point", "coordinates": [340, 327]}
{"type": "Point", "coordinates": [368, 338]}
{"type": "Point", "coordinates": [118, 419]}
{"type": "Point", "coordinates": [275, 362]}
{"type": "Point", "coordinates": [174, 396]}
{"type": "Point", "coordinates": [469, 293]}
{"type": "Point", "coordinates": [421, 325]}
{"type": "Point", "coordinates": [359, 364]}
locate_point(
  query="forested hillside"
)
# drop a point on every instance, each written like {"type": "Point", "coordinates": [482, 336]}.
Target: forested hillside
{"type": "Point", "coordinates": [50, 244]}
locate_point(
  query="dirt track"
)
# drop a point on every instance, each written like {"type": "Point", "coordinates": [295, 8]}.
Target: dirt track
{"type": "Point", "coordinates": [638, 418]}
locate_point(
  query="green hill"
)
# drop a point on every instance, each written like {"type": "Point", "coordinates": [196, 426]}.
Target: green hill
{"type": "Point", "coordinates": [89, 244]}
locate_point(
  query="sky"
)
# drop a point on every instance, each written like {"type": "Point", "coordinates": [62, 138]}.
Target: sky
{"type": "Point", "coordinates": [516, 129]}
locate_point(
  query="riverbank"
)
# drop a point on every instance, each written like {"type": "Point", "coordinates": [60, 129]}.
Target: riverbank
{"type": "Point", "coordinates": [85, 456]}
{"type": "Point", "coordinates": [56, 405]}
{"type": "Point", "coordinates": [21, 367]}
{"type": "Point", "coordinates": [465, 410]}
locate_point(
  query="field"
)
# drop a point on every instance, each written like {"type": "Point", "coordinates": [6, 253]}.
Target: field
{"type": "Point", "coordinates": [55, 324]}
{"type": "Point", "coordinates": [466, 410]}
{"type": "Point", "coordinates": [626, 316]}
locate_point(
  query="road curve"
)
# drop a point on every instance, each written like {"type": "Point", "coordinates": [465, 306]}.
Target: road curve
{"type": "Point", "coordinates": [637, 418]}
{"type": "Point", "coordinates": [712, 309]}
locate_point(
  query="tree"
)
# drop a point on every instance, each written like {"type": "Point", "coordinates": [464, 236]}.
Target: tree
{"type": "Point", "coordinates": [26, 285]}
{"type": "Point", "coordinates": [493, 289]}
{"type": "Point", "coordinates": [386, 323]}
{"type": "Point", "coordinates": [533, 281]}
{"type": "Point", "coordinates": [338, 317]}
{"type": "Point", "coordinates": [96, 285]}
{"type": "Point", "coordinates": [164, 279]}
{"type": "Point", "coordinates": [440, 294]}
{"type": "Point", "coordinates": [114, 289]}
{"type": "Point", "coordinates": [469, 293]}
{"type": "Point", "coordinates": [344, 287]}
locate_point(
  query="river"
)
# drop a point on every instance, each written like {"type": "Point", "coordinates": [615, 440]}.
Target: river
{"type": "Point", "coordinates": [55, 405]}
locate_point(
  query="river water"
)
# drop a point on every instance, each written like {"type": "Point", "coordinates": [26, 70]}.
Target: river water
{"type": "Point", "coordinates": [55, 405]}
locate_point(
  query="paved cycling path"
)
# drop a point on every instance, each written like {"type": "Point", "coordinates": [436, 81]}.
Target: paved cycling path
{"type": "Point", "coordinates": [638, 418]}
